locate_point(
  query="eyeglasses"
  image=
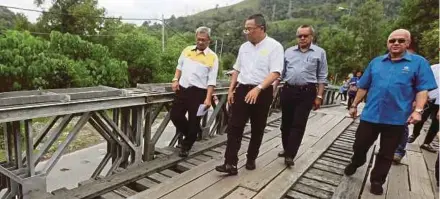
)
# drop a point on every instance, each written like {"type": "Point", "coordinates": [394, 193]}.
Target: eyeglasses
{"type": "Point", "coordinates": [400, 41]}
{"type": "Point", "coordinates": [301, 36]}
{"type": "Point", "coordinates": [247, 30]}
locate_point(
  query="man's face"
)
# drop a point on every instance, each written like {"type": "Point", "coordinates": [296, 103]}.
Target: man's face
{"type": "Point", "coordinates": [398, 42]}
{"type": "Point", "coordinates": [202, 40]}
{"type": "Point", "coordinates": [252, 30]}
{"type": "Point", "coordinates": [304, 37]}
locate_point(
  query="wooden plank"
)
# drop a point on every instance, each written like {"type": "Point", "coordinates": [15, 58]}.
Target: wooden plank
{"type": "Point", "coordinates": [317, 184]}
{"type": "Point", "coordinates": [158, 177]}
{"type": "Point", "coordinates": [194, 161]}
{"type": "Point", "coordinates": [337, 157]}
{"type": "Point", "coordinates": [344, 146]}
{"type": "Point", "coordinates": [430, 159]}
{"type": "Point", "coordinates": [295, 194]}
{"type": "Point", "coordinates": [111, 195]}
{"type": "Point", "coordinates": [398, 187]}
{"type": "Point", "coordinates": [309, 190]}
{"type": "Point", "coordinates": [203, 158]}
{"type": "Point", "coordinates": [351, 186]}
{"type": "Point", "coordinates": [340, 150]}
{"type": "Point", "coordinates": [279, 186]}
{"type": "Point", "coordinates": [331, 164]}
{"type": "Point", "coordinates": [258, 181]}
{"type": "Point", "coordinates": [218, 150]}
{"type": "Point", "coordinates": [184, 166]}
{"type": "Point", "coordinates": [349, 141]}
{"type": "Point", "coordinates": [334, 161]}
{"type": "Point", "coordinates": [224, 186]}
{"type": "Point", "coordinates": [328, 168]}
{"type": "Point", "coordinates": [169, 173]}
{"type": "Point", "coordinates": [434, 184]}
{"type": "Point", "coordinates": [241, 193]}
{"type": "Point", "coordinates": [323, 176]}
{"type": "Point", "coordinates": [418, 175]}
{"type": "Point", "coordinates": [191, 175]}
{"type": "Point", "coordinates": [212, 178]}
{"type": "Point", "coordinates": [125, 191]}
{"type": "Point", "coordinates": [344, 155]}
{"type": "Point", "coordinates": [212, 154]}
{"type": "Point", "coordinates": [145, 183]}
{"type": "Point", "coordinates": [142, 170]}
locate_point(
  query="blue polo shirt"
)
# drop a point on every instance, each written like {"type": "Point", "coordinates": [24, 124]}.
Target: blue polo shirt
{"type": "Point", "coordinates": [392, 87]}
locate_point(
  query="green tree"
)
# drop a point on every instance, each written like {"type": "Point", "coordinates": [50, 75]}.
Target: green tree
{"type": "Point", "coordinates": [72, 16]}
{"type": "Point", "coordinates": [429, 43]}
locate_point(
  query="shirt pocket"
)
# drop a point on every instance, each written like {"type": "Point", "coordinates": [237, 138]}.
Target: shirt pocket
{"type": "Point", "coordinates": [311, 64]}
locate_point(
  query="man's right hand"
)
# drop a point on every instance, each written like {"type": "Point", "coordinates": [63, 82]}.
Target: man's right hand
{"type": "Point", "coordinates": [230, 97]}
{"type": "Point", "coordinates": [175, 86]}
{"type": "Point", "coordinates": [353, 112]}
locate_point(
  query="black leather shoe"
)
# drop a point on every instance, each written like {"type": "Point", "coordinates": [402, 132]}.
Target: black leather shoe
{"type": "Point", "coordinates": [289, 162]}
{"type": "Point", "coordinates": [350, 170]}
{"type": "Point", "coordinates": [250, 165]}
{"type": "Point", "coordinates": [281, 154]}
{"type": "Point", "coordinates": [183, 153]}
{"type": "Point", "coordinates": [376, 188]}
{"type": "Point", "coordinates": [227, 168]}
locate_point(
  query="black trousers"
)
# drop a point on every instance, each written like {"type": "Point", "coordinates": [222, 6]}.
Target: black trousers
{"type": "Point", "coordinates": [366, 134]}
{"type": "Point", "coordinates": [188, 100]}
{"type": "Point", "coordinates": [241, 113]}
{"type": "Point", "coordinates": [296, 104]}
{"type": "Point", "coordinates": [431, 109]}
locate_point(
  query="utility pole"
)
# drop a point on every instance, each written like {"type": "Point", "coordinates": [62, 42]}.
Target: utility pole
{"type": "Point", "coordinates": [289, 12]}
{"type": "Point", "coordinates": [221, 50]}
{"type": "Point", "coordinates": [215, 48]}
{"type": "Point", "coordinates": [163, 34]}
{"type": "Point", "coordinates": [274, 8]}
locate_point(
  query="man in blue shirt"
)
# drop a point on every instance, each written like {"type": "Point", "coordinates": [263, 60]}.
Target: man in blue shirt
{"type": "Point", "coordinates": [392, 82]}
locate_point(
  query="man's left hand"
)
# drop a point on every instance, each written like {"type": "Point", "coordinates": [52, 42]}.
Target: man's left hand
{"type": "Point", "coordinates": [207, 103]}
{"type": "Point", "coordinates": [251, 97]}
{"type": "Point", "coordinates": [414, 118]}
{"type": "Point", "coordinates": [317, 103]}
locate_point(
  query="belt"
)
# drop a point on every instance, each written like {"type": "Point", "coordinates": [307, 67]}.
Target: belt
{"type": "Point", "coordinates": [309, 85]}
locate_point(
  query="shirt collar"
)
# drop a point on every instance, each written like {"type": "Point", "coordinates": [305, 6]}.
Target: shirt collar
{"type": "Point", "coordinates": [262, 41]}
{"type": "Point", "coordinates": [205, 52]}
{"type": "Point", "coordinates": [406, 56]}
{"type": "Point", "coordinates": [312, 47]}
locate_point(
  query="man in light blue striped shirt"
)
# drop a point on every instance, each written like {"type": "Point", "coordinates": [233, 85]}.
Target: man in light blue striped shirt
{"type": "Point", "coordinates": [305, 68]}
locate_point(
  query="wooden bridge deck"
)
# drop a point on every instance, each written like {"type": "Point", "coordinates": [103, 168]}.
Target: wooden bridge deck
{"type": "Point", "coordinates": [318, 171]}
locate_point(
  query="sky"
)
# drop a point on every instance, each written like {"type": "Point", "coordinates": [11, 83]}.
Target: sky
{"type": "Point", "coordinates": [133, 8]}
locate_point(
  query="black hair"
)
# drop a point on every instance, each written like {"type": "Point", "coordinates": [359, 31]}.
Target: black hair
{"type": "Point", "coordinates": [259, 20]}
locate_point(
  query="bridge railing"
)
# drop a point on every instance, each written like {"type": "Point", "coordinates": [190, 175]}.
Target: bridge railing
{"type": "Point", "coordinates": [123, 117]}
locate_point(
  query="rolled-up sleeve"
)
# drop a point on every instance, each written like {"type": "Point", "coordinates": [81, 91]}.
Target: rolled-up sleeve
{"type": "Point", "coordinates": [323, 69]}
{"type": "Point", "coordinates": [365, 81]}
{"type": "Point", "coordinates": [277, 60]}
{"type": "Point", "coordinates": [212, 75]}
{"type": "Point", "coordinates": [425, 80]}
{"type": "Point", "coordinates": [180, 61]}
{"type": "Point", "coordinates": [237, 62]}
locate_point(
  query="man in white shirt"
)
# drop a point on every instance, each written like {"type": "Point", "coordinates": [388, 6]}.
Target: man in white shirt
{"type": "Point", "coordinates": [194, 83]}
{"type": "Point", "coordinates": [259, 63]}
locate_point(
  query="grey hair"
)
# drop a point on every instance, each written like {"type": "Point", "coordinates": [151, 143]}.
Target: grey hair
{"type": "Point", "coordinates": [205, 30]}
{"type": "Point", "coordinates": [306, 26]}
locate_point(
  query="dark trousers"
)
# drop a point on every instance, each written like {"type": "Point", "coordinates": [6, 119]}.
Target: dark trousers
{"type": "Point", "coordinates": [436, 169]}
{"type": "Point", "coordinates": [350, 100]}
{"type": "Point", "coordinates": [431, 109]}
{"type": "Point", "coordinates": [366, 134]}
{"type": "Point", "coordinates": [296, 104]}
{"type": "Point", "coordinates": [188, 100]}
{"type": "Point", "coordinates": [241, 113]}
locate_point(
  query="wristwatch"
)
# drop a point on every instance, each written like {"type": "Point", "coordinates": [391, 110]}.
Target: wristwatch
{"type": "Point", "coordinates": [419, 110]}
{"type": "Point", "coordinates": [260, 87]}
{"type": "Point", "coordinates": [319, 96]}
{"type": "Point", "coordinates": [174, 79]}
